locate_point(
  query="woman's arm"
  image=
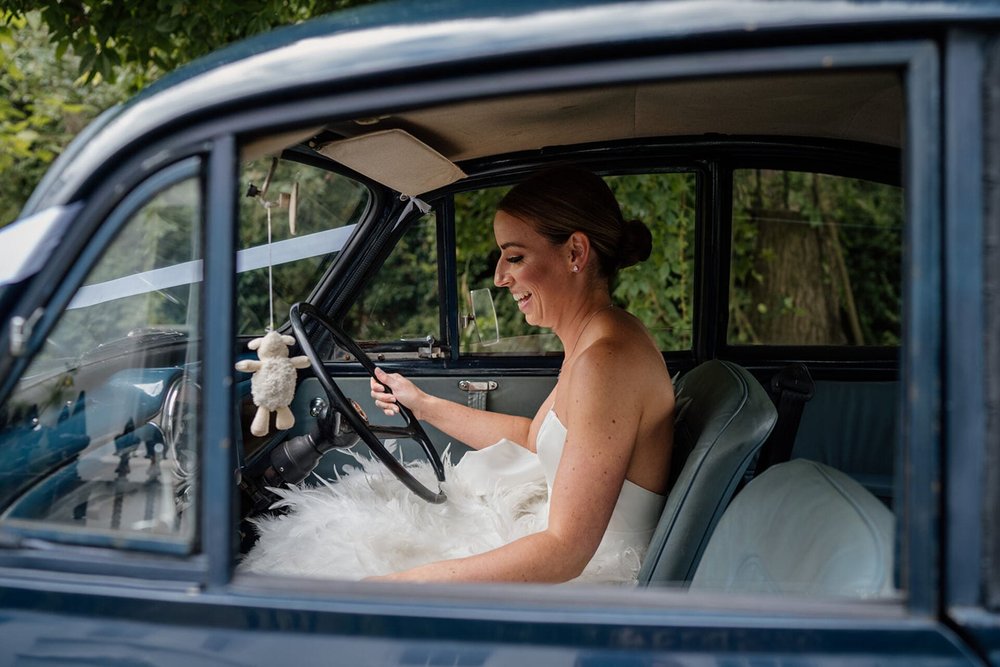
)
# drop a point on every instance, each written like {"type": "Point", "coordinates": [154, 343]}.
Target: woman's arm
{"type": "Point", "coordinates": [602, 405]}
{"type": "Point", "coordinates": [476, 428]}
{"type": "Point", "coordinates": [533, 558]}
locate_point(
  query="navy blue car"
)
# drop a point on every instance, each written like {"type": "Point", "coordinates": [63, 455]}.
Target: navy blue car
{"type": "Point", "coordinates": [822, 184]}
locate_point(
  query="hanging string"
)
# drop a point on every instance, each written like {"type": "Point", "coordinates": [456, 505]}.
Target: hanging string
{"type": "Point", "coordinates": [270, 277]}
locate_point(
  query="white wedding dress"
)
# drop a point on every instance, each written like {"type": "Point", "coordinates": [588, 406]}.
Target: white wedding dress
{"type": "Point", "coordinates": [367, 523]}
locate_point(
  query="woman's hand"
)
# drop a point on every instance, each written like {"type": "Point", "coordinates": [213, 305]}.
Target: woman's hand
{"type": "Point", "coordinates": [476, 428]}
{"type": "Point", "coordinates": [403, 392]}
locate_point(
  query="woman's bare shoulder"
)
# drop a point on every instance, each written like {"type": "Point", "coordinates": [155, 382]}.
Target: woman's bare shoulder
{"type": "Point", "coordinates": [630, 340]}
{"type": "Point", "coordinates": [620, 347]}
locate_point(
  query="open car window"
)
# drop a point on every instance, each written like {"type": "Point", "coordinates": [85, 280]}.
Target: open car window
{"type": "Point", "coordinates": [816, 260]}
{"type": "Point", "coordinates": [659, 291]}
{"type": "Point", "coordinates": [312, 213]}
{"type": "Point", "coordinates": [398, 312]}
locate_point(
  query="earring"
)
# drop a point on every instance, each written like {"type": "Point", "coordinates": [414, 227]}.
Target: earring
{"type": "Point", "coordinates": [576, 269]}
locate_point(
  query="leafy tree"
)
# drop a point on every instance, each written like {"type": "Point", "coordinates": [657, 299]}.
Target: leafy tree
{"type": "Point", "coordinates": [816, 260]}
{"type": "Point", "coordinates": [43, 104]}
{"type": "Point", "coordinates": [144, 39]}
{"type": "Point", "coordinates": [64, 61]}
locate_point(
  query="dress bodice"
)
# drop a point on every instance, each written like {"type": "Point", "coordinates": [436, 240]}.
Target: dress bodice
{"type": "Point", "coordinates": [637, 510]}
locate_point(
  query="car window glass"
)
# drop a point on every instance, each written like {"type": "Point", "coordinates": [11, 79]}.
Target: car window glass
{"type": "Point", "coordinates": [99, 434]}
{"type": "Point", "coordinates": [400, 305]}
{"type": "Point", "coordinates": [816, 260]}
{"type": "Point", "coordinates": [327, 206]}
{"type": "Point", "coordinates": [659, 291]}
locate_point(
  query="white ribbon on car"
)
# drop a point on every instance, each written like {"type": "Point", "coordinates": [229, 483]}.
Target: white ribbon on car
{"type": "Point", "coordinates": [249, 259]}
{"type": "Point", "coordinates": [414, 202]}
{"type": "Point", "coordinates": [185, 273]}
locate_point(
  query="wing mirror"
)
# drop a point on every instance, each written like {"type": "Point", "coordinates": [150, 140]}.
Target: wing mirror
{"type": "Point", "coordinates": [484, 316]}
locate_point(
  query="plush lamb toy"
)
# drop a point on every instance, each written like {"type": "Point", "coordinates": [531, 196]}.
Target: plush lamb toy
{"type": "Point", "coordinates": [273, 381]}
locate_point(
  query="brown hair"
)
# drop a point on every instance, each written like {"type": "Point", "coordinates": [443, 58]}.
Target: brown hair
{"type": "Point", "coordinates": [559, 201]}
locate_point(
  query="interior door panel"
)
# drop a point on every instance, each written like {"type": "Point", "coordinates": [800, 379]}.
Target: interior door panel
{"type": "Point", "coordinates": [514, 394]}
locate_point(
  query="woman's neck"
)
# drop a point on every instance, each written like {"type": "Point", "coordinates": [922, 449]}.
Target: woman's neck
{"type": "Point", "coordinates": [582, 317]}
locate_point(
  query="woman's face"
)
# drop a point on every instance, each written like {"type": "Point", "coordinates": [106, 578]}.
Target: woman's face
{"type": "Point", "coordinates": [534, 270]}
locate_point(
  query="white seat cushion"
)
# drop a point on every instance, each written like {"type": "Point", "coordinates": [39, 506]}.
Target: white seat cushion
{"type": "Point", "coordinates": [801, 527]}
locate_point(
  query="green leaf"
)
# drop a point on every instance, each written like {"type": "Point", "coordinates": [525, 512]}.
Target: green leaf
{"type": "Point", "coordinates": [14, 72]}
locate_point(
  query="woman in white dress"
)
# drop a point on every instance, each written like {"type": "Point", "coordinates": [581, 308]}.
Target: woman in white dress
{"type": "Point", "coordinates": [604, 435]}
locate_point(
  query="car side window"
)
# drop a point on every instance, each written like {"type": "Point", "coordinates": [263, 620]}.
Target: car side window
{"type": "Point", "coordinates": [400, 306]}
{"type": "Point", "coordinates": [816, 260]}
{"type": "Point", "coordinates": [98, 440]}
{"type": "Point", "coordinates": [659, 291]}
{"type": "Point", "coordinates": [312, 212]}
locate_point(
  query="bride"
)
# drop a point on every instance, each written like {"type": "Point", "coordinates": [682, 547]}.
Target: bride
{"type": "Point", "coordinates": [598, 449]}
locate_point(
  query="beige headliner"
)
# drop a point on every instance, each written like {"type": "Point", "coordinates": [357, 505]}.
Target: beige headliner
{"type": "Point", "coordinates": [861, 106]}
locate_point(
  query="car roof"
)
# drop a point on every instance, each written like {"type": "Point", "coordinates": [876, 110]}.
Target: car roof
{"type": "Point", "coordinates": [394, 38]}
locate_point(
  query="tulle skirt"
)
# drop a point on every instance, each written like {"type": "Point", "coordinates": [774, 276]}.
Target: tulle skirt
{"type": "Point", "coordinates": [367, 523]}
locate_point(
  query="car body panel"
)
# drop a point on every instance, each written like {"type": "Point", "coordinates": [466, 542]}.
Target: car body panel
{"type": "Point", "coordinates": [407, 37]}
{"type": "Point", "coordinates": [509, 632]}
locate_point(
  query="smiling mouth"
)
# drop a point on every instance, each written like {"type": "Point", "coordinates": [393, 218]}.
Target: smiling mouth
{"type": "Point", "coordinates": [521, 298]}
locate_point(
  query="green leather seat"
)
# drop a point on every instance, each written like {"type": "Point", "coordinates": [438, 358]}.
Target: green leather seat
{"type": "Point", "coordinates": [723, 416]}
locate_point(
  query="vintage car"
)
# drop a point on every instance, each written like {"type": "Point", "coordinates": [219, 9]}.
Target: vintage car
{"type": "Point", "coordinates": [822, 184]}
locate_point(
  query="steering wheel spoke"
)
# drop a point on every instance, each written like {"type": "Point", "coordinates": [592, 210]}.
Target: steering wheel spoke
{"type": "Point", "coordinates": [350, 410]}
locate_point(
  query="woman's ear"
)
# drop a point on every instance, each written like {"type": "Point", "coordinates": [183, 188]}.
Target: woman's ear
{"type": "Point", "coordinates": [579, 251]}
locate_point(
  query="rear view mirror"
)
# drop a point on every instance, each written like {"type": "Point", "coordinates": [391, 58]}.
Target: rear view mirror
{"type": "Point", "coordinates": [290, 200]}
{"type": "Point", "coordinates": [484, 316]}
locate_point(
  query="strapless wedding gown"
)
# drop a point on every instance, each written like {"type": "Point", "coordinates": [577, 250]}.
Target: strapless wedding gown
{"type": "Point", "coordinates": [367, 523]}
{"type": "Point", "coordinates": [632, 522]}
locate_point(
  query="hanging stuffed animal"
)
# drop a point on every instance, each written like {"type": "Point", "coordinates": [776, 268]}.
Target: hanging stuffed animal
{"type": "Point", "coordinates": [273, 381]}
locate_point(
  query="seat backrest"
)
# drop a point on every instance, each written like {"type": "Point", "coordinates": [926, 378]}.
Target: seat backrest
{"type": "Point", "coordinates": [723, 416]}
{"type": "Point", "coordinates": [801, 527]}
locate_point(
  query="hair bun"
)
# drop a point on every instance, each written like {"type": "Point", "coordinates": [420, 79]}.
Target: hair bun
{"type": "Point", "coordinates": [636, 243]}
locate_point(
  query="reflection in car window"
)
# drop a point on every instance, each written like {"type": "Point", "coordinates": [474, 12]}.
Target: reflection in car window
{"type": "Point", "coordinates": [99, 434]}
{"type": "Point", "coordinates": [659, 291]}
{"type": "Point", "coordinates": [327, 207]}
{"type": "Point", "coordinates": [816, 260]}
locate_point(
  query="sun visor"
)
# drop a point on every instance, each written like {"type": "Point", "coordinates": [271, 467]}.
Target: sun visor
{"type": "Point", "coordinates": [397, 159]}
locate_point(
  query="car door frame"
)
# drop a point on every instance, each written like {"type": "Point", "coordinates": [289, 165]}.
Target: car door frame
{"type": "Point", "coordinates": [918, 61]}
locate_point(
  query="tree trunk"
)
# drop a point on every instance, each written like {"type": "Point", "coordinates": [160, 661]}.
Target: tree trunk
{"type": "Point", "coordinates": [795, 295]}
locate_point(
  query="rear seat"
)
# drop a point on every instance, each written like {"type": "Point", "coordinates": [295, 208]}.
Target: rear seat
{"type": "Point", "coordinates": [801, 527]}
{"type": "Point", "coordinates": [853, 427]}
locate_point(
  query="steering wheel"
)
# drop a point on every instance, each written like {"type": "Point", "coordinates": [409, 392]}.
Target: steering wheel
{"type": "Point", "coordinates": [355, 415]}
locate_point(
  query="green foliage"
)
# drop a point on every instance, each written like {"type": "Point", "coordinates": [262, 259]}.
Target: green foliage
{"type": "Point", "coordinates": [853, 226]}
{"type": "Point", "coordinates": [43, 104]}
{"type": "Point", "coordinates": [157, 36]}
{"type": "Point", "coordinates": [64, 61]}
{"type": "Point", "coordinates": [660, 291]}
{"type": "Point", "coordinates": [857, 229]}
{"type": "Point", "coordinates": [402, 301]}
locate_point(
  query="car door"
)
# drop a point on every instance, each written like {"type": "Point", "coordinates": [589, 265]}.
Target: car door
{"type": "Point", "coordinates": [903, 627]}
{"type": "Point", "coordinates": [598, 625]}
{"type": "Point", "coordinates": [972, 478]}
